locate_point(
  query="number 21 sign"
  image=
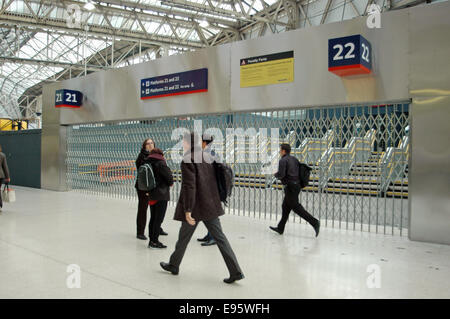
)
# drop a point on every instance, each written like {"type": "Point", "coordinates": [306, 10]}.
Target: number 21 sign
{"type": "Point", "coordinates": [349, 55]}
{"type": "Point", "coordinates": [68, 98]}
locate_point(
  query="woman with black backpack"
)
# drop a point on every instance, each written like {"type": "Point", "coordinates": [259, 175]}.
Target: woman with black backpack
{"type": "Point", "coordinates": [143, 196]}
{"type": "Point", "coordinates": [159, 196]}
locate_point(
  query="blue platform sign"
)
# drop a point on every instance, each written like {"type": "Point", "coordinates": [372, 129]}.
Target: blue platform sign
{"type": "Point", "coordinates": [175, 84]}
{"type": "Point", "coordinates": [68, 98]}
{"type": "Point", "coordinates": [349, 55]}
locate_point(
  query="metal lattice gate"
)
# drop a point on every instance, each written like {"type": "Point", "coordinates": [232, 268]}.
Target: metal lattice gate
{"type": "Point", "coordinates": [359, 156]}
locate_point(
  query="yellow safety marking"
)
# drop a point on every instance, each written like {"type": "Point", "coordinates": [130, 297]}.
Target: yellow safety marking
{"type": "Point", "coordinates": [397, 194]}
{"type": "Point", "coordinates": [354, 191]}
{"type": "Point", "coordinates": [355, 180]}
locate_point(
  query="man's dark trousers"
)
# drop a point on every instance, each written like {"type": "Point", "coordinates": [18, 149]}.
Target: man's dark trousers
{"type": "Point", "coordinates": [215, 229]}
{"type": "Point", "coordinates": [290, 202]}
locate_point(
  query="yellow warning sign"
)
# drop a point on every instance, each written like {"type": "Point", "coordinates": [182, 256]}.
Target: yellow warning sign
{"type": "Point", "coordinates": [268, 69]}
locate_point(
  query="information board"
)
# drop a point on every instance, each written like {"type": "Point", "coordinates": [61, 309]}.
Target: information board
{"type": "Point", "coordinates": [267, 69]}
{"type": "Point", "coordinates": [175, 84]}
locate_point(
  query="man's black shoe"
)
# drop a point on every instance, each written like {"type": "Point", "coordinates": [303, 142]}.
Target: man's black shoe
{"type": "Point", "coordinates": [317, 228]}
{"type": "Point", "coordinates": [169, 268]}
{"type": "Point", "coordinates": [142, 237]}
{"type": "Point", "coordinates": [206, 238]}
{"type": "Point", "coordinates": [152, 244]}
{"type": "Point", "coordinates": [161, 245]}
{"type": "Point", "coordinates": [233, 278]}
{"type": "Point", "coordinates": [275, 229]}
{"type": "Point", "coordinates": [163, 233]}
{"type": "Point", "coordinates": [210, 242]}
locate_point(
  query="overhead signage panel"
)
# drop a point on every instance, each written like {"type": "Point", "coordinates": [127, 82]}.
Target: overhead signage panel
{"type": "Point", "coordinates": [267, 69]}
{"type": "Point", "coordinates": [174, 84]}
{"type": "Point", "coordinates": [350, 55]}
{"type": "Point", "coordinates": [68, 98]}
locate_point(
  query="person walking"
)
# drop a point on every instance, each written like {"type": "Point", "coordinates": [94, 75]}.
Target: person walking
{"type": "Point", "coordinates": [199, 201]}
{"type": "Point", "coordinates": [4, 174]}
{"type": "Point", "coordinates": [143, 197]}
{"type": "Point", "coordinates": [160, 195]}
{"type": "Point", "coordinates": [288, 173]}
{"type": "Point", "coordinates": [207, 140]}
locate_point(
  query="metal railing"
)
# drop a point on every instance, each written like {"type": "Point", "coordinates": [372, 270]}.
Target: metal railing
{"type": "Point", "coordinates": [346, 189]}
{"type": "Point", "coordinates": [393, 163]}
{"type": "Point", "coordinates": [337, 161]}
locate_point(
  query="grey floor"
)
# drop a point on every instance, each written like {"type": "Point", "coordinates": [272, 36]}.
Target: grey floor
{"type": "Point", "coordinates": [44, 232]}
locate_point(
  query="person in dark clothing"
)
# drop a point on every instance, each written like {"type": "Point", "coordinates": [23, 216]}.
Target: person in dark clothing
{"type": "Point", "coordinates": [4, 173]}
{"type": "Point", "coordinates": [288, 173]}
{"type": "Point", "coordinates": [143, 197]}
{"type": "Point", "coordinates": [199, 201]}
{"type": "Point", "coordinates": [160, 194]}
{"type": "Point", "coordinates": [207, 140]}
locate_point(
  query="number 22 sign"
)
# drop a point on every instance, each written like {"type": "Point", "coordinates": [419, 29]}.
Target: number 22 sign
{"type": "Point", "coordinates": [350, 55]}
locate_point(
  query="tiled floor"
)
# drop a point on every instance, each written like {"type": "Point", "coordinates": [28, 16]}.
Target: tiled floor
{"type": "Point", "coordinates": [44, 232]}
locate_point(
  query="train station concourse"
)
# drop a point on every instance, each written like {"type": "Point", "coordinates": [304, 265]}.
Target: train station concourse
{"type": "Point", "coordinates": [225, 151]}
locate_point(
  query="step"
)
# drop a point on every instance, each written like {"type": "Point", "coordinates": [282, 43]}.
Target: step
{"type": "Point", "coordinates": [355, 180]}
{"type": "Point", "coordinates": [352, 191]}
{"type": "Point", "coordinates": [249, 175]}
{"type": "Point", "coordinates": [308, 188]}
{"type": "Point", "coordinates": [365, 164]}
{"type": "Point", "coordinates": [249, 184]}
{"type": "Point", "coordinates": [354, 186]}
{"type": "Point", "coordinates": [364, 168]}
{"type": "Point", "coordinates": [367, 174]}
{"type": "Point", "coordinates": [397, 194]}
{"type": "Point", "coordinates": [396, 188]}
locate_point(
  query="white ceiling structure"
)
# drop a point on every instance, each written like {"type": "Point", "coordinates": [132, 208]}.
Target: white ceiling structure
{"type": "Point", "coordinates": [43, 41]}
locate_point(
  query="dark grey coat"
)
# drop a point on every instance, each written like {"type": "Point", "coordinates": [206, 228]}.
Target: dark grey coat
{"type": "Point", "coordinates": [4, 171]}
{"type": "Point", "coordinates": [199, 192]}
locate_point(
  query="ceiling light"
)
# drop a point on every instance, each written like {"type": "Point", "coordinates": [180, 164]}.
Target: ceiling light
{"type": "Point", "coordinates": [204, 23]}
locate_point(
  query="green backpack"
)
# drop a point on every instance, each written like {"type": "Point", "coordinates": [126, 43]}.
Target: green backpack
{"type": "Point", "coordinates": [145, 178]}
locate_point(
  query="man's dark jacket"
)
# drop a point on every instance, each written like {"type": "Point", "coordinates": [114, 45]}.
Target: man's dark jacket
{"type": "Point", "coordinates": [288, 170]}
{"type": "Point", "coordinates": [199, 192]}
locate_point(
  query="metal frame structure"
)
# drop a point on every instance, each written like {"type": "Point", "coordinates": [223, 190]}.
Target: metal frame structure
{"type": "Point", "coordinates": [44, 41]}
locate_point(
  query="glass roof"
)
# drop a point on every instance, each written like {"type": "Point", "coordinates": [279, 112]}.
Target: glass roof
{"type": "Point", "coordinates": [32, 55]}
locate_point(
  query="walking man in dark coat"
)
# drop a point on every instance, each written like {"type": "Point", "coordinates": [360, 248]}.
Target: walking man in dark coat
{"type": "Point", "coordinates": [199, 201]}
{"type": "Point", "coordinates": [207, 140]}
{"type": "Point", "coordinates": [288, 173]}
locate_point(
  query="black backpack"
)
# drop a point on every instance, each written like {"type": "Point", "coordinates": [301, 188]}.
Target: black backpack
{"type": "Point", "coordinates": [225, 180]}
{"type": "Point", "coordinates": [145, 178]}
{"type": "Point", "coordinates": [304, 171]}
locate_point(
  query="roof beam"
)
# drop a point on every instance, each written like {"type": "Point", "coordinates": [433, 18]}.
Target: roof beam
{"type": "Point", "coordinates": [165, 11]}
{"type": "Point", "coordinates": [61, 64]}
{"type": "Point", "coordinates": [325, 13]}
{"type": "Point", "coordinates": [100, 31]}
